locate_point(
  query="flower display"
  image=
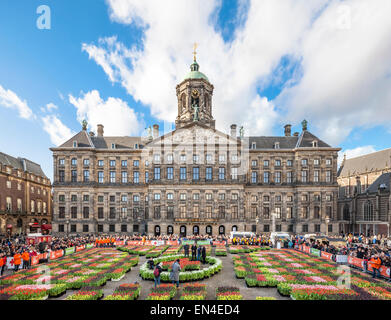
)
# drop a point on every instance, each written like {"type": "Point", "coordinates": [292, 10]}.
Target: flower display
{"type": "Point", "coordinates": [194, 291]}
{"type": "Point", "coordinates": [163, 292]}
{"type": "Point", "coordinates": [228, 293]}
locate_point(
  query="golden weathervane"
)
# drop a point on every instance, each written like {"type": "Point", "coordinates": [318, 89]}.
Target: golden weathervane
{"type": "Point", "coordinates": [195, 51]}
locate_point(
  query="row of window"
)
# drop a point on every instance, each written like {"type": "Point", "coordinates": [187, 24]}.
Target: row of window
{"type": "Point", "coordinates": [266, 213]}
{"type": "Point", "coordinates": [19, 187]}
{"type": "Point", "coordinates": [32, 177]}
{"type": "Point", "coordinates": [170, 229]}
{"type": "Point", "coordinates": [304, 178]}
{"type": "Point", "coordinates": [196, 159]}
{"type": "Point", "coordinates": [196, 196]}
{"type": "Point", "coordinates": [41, 206]}
{"type": "Point", "coordinates": [289, 163]}
{"type": "Point", "coordinates": [290, 177]}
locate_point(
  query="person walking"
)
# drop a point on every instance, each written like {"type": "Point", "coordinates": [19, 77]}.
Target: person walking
{"type": "Point", "coordinates": [203, 254]}
{"type": "Point", "coordinates": [17, 260]}
{"type": "Point", "coordinates": [199, 253]}
{"type": "Point", "coordinates": [193, 251]}
{"type": "Point", "coordinates": [375, 263]}
{"type": "Point", "coordinates": [174, 275]}
{"type": "Point", "coordinates": [156, 274]}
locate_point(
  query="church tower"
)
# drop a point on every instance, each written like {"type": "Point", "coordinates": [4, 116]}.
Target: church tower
{"type": "Point", "coordinates": [195, 98]}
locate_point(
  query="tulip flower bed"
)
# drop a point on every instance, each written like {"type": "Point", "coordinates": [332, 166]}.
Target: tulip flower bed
{"type": "Point", "coordinates": [221, 251]}
{"type": "Point", "coordinates": [193, 291]}
{"type": "Point", "coordinates": [87, 294]}
{"type": "Point", "coordinates": [199, 271]}
{"type": "Point", "coordinates": [304, 277]}
{"type": "Point", "coordinates": [185, 263]}
{"type": "Point", "coordinates": [265, 298]}
{"type": "Point", "coordinates": [172, 250]}
{"type": "Point", "coordinates": [228, 293]}
{"type": "Point", "coordinates": [156, 252]}
{"type": "Point", "coordinates": [92, 267]}
{"type": "Point", "coordinates": [163, 292]}
{"type": "Point", "coordinates": [127, 291]}
{"type": "Point", "coordinates": [137, 250]}
{"type": "Point", "coordinates": [246, 249]}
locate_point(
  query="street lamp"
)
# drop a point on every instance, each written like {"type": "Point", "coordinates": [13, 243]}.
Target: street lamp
{"type": "Point", "coordinates": [327, 225]}
{"type": "Point", "coordinates": [67, 222]}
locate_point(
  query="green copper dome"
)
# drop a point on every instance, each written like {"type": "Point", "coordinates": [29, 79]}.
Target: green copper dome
{"type": "Point", "coordinates": [195, 73]}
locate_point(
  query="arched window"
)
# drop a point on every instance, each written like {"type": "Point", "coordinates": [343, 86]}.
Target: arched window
{"type": "Point", "coordinates": [183, 231]}
{"type": "Point", "coordinates": [170, 230]}
{"type": "Point", "coordinates": [196, 230]}
{"type": "Point", "coordinates": [157, 230]}
{"type": "Point", "coordinates": [346, 212]}
{"type": "Point", "coordinates": [208, 230]}
{"type": "Point", "coordinates": [221, 230]}
{"type": "Point", "coordinates": [234, 228]}
{"type": "Point", "coordinates": [368, 211]}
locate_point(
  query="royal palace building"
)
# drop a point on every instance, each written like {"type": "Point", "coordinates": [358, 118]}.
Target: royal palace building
{"type": "Point", "coordinates": [195, 179]}
{"type": "Point", "coordinates": [25, 196]}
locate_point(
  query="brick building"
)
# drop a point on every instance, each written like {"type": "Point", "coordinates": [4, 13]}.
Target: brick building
{"type": "Point", "coordinates": [364, 193]}
{"type": "Point", "coordinates": [195, 179]}
{"type": "Point", "coordinates": [25, 196]}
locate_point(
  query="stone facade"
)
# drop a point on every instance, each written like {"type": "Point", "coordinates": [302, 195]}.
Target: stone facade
{"type": "Point", "coordinates": [195, 179]}
{"type": "Point", "coordinates": [25, 195]}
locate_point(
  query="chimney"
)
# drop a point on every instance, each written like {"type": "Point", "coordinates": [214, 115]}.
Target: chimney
{"type": "Point", "coordinates": [233, 131]}
{"type": "Point", "coordinates": [155, 131]}
{"type": "Point", "coordinates": [296, 134]}
{"type": "Point", "coordinates": [288, 129]}
{"type": "Point", "coordinates": [100, 130]}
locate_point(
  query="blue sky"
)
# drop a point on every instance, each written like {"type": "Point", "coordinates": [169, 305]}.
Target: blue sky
{"type": "Point", "coordinates": [44, 67]}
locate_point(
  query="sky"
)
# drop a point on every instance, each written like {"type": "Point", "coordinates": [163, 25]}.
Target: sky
{"type": "Point", "coordinates": [117, 62]}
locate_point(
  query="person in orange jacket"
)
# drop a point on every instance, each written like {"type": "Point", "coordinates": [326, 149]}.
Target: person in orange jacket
{"type": "Point", "coordinates": [26, 260]}
{"type": "Point", "coordinates": [17, 260]}
{"type": "Point", "coordinates": [375, 263]}
{"type": "Point", "coordinates": [112, 242]}
{"type": "Point", "coordinates": [3, 261]}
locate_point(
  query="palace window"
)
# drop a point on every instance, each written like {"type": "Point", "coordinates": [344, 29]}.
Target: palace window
{"type": "Point", "coordinates": [266, 163]}
{"type": "Point", "coordinates": [136, 163]}
{"type": "Point", "coordinates": [277, 163]}
{"type": "Point", "coordinates": [289, 213]}
{"type": "Point", "coordinates": [61, 177]}
{"type": "Point", "coordinates": [316, 176]}
{"type": "Point", "coordinates": [156, 196]}
{"type": "Point", "coordinates": [100, 163]}
{"type": "Point", "coordinates": [86, 175]}
{"type": "Point", "coordinates": [266, 213]}
{"type": "Point", "coordinates": [100, 213]}
{"type": "Point", "coordinates": [86, 212]}
{"type": "Point", "coordinates": [278, 212]}
{"type": "Point", "coordinates": [100, 177]}
{"type": "Point", "coordinates": [74, 162]}
{"type": "Point", "coordinates": [170, 158]}
{"type": "Point", "coordinates": [266, 175]}
{"type": "Point", "coordinates": [170, 173]}
{"type": "Point", "coordinates": [208, 173]}
{"type": "Point", "coordinates": [157, 173]}
{"type": "Point", "coordinates": [112, 176]}
{"type": "Point", "coordinates": [170, 196]}
{"type": "Point", "coordinates": [221, 173]}
{"type": "Point", "coordinates": [304, 175]}
{"type": "Point", "coordinates": [112, 213]}
{"type": "Point", "coordinates": [74, 175]}
{"type": "Point", "coordinates": [234, 173]}
{"type": "Point", "coordinates": [136, 198]}
{"type": "Point", "coordinates": [73, 212]}
{"type": "Point", "coordinates": [182, 196]}
{"type": "Point", "coordinates": [235, 212]}
{"type": "Point", "coordinates": [277, 177]}
{"type": "Point", "coordinates": [254, 177]}
{"type": "Point", "coordinates": [209, 212]}
{"type": "Point", "coordinates": [221, 212]}
{"type": "Point", "coordinates": [112, 163]}
{"type": "Point", "coordinates": [124, 177]}
{"type": "Point", "coordinates": [196, 173]}
{"type": "Point", "coordinates": [289, 163]}
{"type": "Point", "coordinates": [316, 212]}
{"type": "Point", "coordinates": [196, 196]}
{"type": "Point", "coordinates": [328, 176]}
{"type": "Point", "coordinates": [124, 163]}
{"type": "Point", "coordinates": [208, 196]}
{"type": "Point", "coordinates": [136, 177]}
{"type": "Point", "coordinates": [86, 162]}
{"type": "Point", "coordinates": [183, 173]}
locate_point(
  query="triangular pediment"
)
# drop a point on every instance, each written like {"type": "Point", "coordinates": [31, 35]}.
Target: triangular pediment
{"type": "Point", "coordinates": [195, 133]}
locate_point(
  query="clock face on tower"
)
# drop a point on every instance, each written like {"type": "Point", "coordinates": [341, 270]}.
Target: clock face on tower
{"type": "Point", "coordinates": [195, 93]}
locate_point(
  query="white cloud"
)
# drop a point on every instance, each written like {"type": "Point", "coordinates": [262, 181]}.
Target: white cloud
{"type": "Point", "coordinates": [346, 64]}
{"type": "Point", "coordinates": [10, 99]}
{"type": "Point", "coordinates": [49, 107]}
{"type": "Point", "coordinates": [58, 132]}
{"type": "Point", "coordinates": [344, 49]}
{"type": "Point", "coordinates": [115, 114]}
{"type": "Point", "coordinates": [356, 152]}
{"type": "Point", "coordinates": [150, 74]}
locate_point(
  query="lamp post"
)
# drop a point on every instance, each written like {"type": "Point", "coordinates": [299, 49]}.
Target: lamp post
{"type": "Point", "coordinates": [327, 225]}
{"type": "Point", "coordinates": [67, 222]}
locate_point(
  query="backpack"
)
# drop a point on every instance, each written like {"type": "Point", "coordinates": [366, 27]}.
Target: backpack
{"type": "Point", "coordinates": [156, 272]}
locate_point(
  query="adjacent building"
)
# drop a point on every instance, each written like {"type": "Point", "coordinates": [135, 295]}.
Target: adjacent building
{"type": "Point", "coordinates": [195, 179]}
{"type": "Point", "coordinates": [364, 193]}
{"type": "Point", "coordinates": [25, 196]}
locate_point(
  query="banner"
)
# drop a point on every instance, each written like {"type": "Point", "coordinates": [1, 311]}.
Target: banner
{"type": "Point", "coordinates": [56, 254]}
{"type": "Point", "coordinates": [326, 255]}
{"type": "Point", "coordinates": [120, 243]}
{"type": "Point", "coordinates": [341, 258]}
{"type": "Point", "coordinates": [187, 241]}
{"type": "Point", "coordinates": [203, 242]}
{"type": "Point", "coordinates": [155, 242]}
{"type": "Point", "coordinates": [172, 242]}
{"type": "Point", "coordinates": [69, 250]}
{"type": "Point", "coordinates": [80, 248]}
{"type": "Point", "coordinates": [34, 260]}
{"type": "Point", "coordinates": [135, 243]}
{"type": "Point", "coordinates": [90, 245]}
{"type": "Point", "coordinates": [315, 252]}
{"type": "Point", "coordinates": [219, 243]}
{"type": "Point", "coordinates": [306, 249]}
{"type": "Point", "coordinates": [359, 263]}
